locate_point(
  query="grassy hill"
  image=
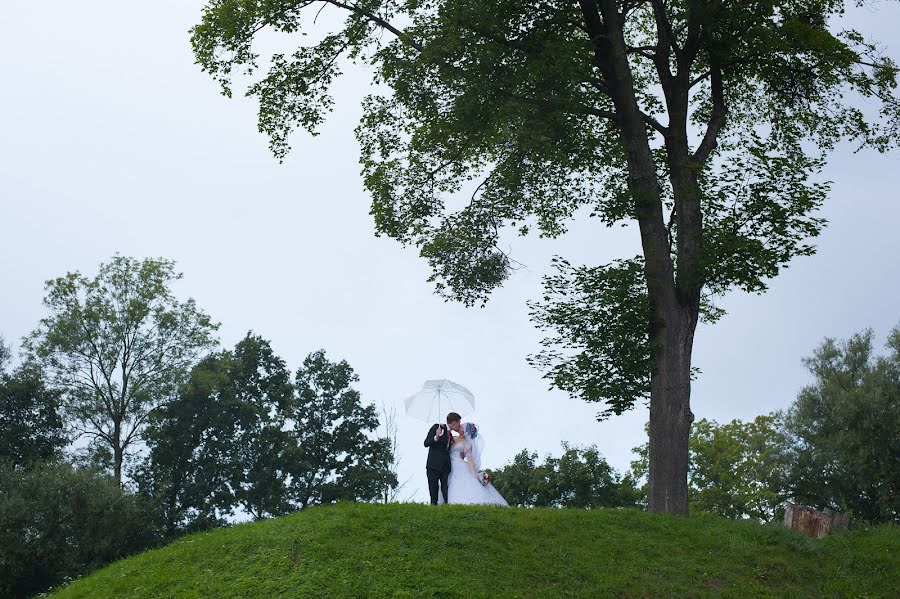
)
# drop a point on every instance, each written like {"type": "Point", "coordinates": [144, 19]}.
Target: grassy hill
{"type": "Point", "coordinates": [456, 551]}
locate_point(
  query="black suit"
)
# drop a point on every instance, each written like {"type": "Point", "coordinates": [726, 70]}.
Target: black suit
{"type": "Point", "coordinates": [437, 467]}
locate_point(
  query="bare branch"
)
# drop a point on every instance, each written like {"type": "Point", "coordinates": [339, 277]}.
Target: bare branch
{"type": "Point", "coordinates": [717, 118]}
{"type": "Point", "coordinates": [664, 31]}
{"type": "Point", "coordinates": [699, 78]}
{"type": "Point", "coordinates": [649, 52]}
{"type": "Point", "coordinates": [655, 124]}
{"type": "Point", "coordinates": [606, 114]}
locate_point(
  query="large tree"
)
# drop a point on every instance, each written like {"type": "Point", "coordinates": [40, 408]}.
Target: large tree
{"type": "Point", "coordinates": [241, 437]}
{"type": "Point", "coordinates": [220, 445]}
{"type": "Point", "coordinates": [186, 471]}
{"type": "Point", "coordinates": [118, 345]}
{"type": "Point", "coordinates": [337, 452]}
{"type": "Point", "coordinates": [703, 122]}
{"type": "Point", "coordinates": [845, 428]}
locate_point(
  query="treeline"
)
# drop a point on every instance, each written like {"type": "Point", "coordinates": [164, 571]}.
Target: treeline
{"type": "Point", "coordinates": [836, 446]}
{"type": "Point", "coordinates": [579, 478]}
{"type": "Point", "coordinates": [124, 425]}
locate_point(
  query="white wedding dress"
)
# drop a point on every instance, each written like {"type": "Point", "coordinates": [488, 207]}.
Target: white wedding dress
{"type": "Point", "coordinates": [463, 487]}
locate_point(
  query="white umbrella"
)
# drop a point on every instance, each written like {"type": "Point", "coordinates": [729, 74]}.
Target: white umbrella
{"type": "Point", "coordinates": [438, 398]}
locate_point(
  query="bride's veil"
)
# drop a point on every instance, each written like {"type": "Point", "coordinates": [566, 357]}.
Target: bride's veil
{"type": "Point", "coordinates": [473, 434]}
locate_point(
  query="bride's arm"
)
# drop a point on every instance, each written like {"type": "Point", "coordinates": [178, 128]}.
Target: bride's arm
{"type": "Point", "coordinates": [471, 464]}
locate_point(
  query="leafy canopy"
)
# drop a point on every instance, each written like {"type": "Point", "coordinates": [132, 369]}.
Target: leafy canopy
{"type": "Point", "coordinates": [220, 445]}
{"type": "Point", "coordinates": [117, 346]}
{"type": "Point", "coordinates": [520, 116]}
{"type": "Point", "coordinates": [60, 523]}
{"type": "Point", "coordinates": [335, 452]}
{"type": "Point", "coordinates": [242, 437]}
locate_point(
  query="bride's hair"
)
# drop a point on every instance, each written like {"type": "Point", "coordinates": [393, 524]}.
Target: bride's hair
{"type": "Point", "coordinates": [470, 430]}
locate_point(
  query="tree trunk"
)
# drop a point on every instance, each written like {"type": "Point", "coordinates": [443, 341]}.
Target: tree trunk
{"type": "Point", "coordinates": [117, 466]}
{"type": "Point", "coordinates": [674, 303]}
{"type": "Point", "coordinates": [118, 452]}
{"type": "Point", "coordinates": [670, 415]}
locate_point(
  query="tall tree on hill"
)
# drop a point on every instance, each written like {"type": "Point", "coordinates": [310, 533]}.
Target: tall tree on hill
{"type": "Point", "coordinates": [703, 122]}
{"type": "Point", "coordinates": [261, 382]}
{"type": "Point", "coordinates": [117, 346]}
{"type": "Point", "coordinates": [186, 472]}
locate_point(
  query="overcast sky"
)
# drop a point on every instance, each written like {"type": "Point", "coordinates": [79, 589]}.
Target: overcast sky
{"type": "Point", "coordinates": [112, 140]}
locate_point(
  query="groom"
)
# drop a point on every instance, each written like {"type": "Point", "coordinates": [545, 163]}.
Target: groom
{"type": "Point", "coordinates": [438, 465]}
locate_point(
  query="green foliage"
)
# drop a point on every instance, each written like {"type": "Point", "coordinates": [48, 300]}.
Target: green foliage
{"type": "Point", "coordinates": [186, 473]}
{"type": "Point", "coordinates": [736, 470]}
{"type": "Point", "coordinates": [407, 550]}
{"type": "Point", "coordinates": [117, 346]}
{"type": "Point", "coordinates": [31, 429]}
{"type": "Point", "coordinates": [845, 428]}
{"type": "Point", "coordinates": [240, 435]}
{"type": "Point", "coordinates": [580, 478]}
{"type": "Point", "coordinates": [58, 523]}
{"type": "Point", "coordinates": [220, 445]}
{"type": "Point", "coordinates": [580, 305]}
{"type": "Point", "coordinates": [707, 124]}
{"type": "Point", "coordinates": [262, 387]}
{"type": "Point", "coordinates": [335, 454]}
{"type": "Point", "coordinates": [759, 207]}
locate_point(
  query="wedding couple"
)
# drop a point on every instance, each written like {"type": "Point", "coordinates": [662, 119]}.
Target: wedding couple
{"type": "Point", "coordinates": [453, 465]}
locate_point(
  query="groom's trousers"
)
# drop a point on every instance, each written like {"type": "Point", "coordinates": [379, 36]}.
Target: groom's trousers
{"type": "Point", "coordinates": [436, 477]}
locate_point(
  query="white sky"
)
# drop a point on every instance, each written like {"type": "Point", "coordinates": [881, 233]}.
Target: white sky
{"type": "Point", "coordinates": [112, 140]}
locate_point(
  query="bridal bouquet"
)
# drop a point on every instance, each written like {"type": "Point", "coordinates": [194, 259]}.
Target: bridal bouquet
{"type": "Point", "coordinates": [485, 477]}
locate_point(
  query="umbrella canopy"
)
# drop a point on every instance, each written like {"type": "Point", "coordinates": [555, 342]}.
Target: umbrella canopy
{"type": "Point", "coordinates": [438, 398]}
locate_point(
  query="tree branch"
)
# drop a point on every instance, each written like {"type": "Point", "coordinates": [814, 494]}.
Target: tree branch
{"type": "Point", "coordinates": [376, 20]}
{"type": "Point", "coordinates": [649, 52]}
{"type": "Point", "coordinates": [717, 118]}
{"type": "Point", "coordinates": [699, 78]}
{"type": "Point", "coordinates": [606, 114]}
{"type": "Point", "coordinates": [664, 32]}
{"type": "Point", "coordinates": [662, 129]}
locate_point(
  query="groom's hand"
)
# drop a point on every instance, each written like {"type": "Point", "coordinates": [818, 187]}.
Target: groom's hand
{"type": "Point", "coordinates": [440, 431]}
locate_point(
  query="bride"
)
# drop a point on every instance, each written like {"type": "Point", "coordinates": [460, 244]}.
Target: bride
{"type": "Point", "coordinates": [464, 485]}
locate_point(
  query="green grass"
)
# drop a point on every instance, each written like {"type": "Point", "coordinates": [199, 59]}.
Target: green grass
{"type": "Point", "coordinates": [459, 551]}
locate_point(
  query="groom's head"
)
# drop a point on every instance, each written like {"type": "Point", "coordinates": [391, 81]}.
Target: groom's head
{"type": "Point", "coordinates": [453, 421]}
